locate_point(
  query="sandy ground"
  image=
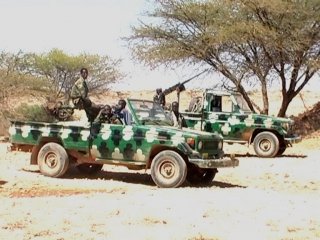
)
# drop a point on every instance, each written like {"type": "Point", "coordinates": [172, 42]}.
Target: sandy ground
{"type": "Point", "coordinates": [261, 199]}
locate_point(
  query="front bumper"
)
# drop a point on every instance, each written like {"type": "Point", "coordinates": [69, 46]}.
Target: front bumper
{"type": "Point", "coordinates": [215, 163]}
{"type": "Point", "coordinates": [292, 139]}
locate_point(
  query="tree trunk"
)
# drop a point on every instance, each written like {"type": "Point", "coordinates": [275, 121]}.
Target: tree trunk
{"type": "Point", "coordinates": [246, 97]}
{"type": "Point", "coordinates": [286, 99]}
{"type": "Point", "coordinates": [265, 99]}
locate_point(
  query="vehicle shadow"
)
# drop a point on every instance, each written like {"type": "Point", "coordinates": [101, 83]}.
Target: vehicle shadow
{"type": "Point", "coordinates": [127, 177]}
{"type": "Point", "coordinates": [255, 156]}
{"type": "Point", "coordinates": [226, 185]}
{"type": "Point", "coordinates": [215, 183]}
{"type": "Point", "coordinates": [133, 177]}
{"type": "Point", "coordinates": [2, 182]}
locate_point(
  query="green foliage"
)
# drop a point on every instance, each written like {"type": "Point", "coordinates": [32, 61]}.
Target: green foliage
{"type": "Point", "coordinates": [15, 80]}
{"type": "Point", "coordinates": [27, 112]}
{"type": "Point", "coordinates": [62, 70]}
{"type": "Point", "coordinates": [248, 41]}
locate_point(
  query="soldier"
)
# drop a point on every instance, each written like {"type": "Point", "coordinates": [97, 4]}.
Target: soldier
{"type": "Point", "coordinates": [79, 96]}
{"type": "Point", "coordinates": [216, 104]}
{"type": "Point", "coordinates": [176, 116]}
{"type": "Point", "coordinates": [79, 91]}
{"type": "Point", "coordinates": [123, 113]}
{"type": "Point", "coordinates": [160, 97]}
{"type": "Point", "coordinates": [107, 116]}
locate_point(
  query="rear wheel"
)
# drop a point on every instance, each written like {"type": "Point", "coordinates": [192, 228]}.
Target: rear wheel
{"type": "Point", "coordinates": [168, 169]}
{"type": "Point", "coordinates": [53, 160]}
{"type": "Point", "coordinates": [266, 144]}
{"type": "Point", "coordinates": [88, 168]}
{"type": "Point", "coordinates": [201, 176]}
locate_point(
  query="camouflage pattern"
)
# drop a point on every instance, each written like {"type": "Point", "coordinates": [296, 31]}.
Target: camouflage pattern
{"type": "Point", "coordinates": [130, 144]}
{"type": "Point", "coordinates": [238, 124]}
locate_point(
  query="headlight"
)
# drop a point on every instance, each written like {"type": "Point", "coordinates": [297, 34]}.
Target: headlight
{"type": "Point", "coordinates": [200, 145]}
{"type": "Point", "coordinates": [285, 126]}
{"type": "Point", "coordinates": [220, 145]}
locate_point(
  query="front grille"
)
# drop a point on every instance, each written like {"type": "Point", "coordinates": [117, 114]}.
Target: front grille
{"type": "Point", "coordinates": [210, 146]}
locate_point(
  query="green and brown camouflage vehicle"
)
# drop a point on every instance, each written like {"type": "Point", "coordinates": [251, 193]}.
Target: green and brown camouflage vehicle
{"type": "Point", "coordinates": [227, 114]}
{"type": "Point", "coordinates": [149, 142]}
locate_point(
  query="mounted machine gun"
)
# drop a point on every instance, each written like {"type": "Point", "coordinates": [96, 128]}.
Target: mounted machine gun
{"type": "Point", "coordinates": [179, 87]}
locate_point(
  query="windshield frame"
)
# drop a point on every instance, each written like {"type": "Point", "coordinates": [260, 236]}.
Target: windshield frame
{"type": "Point", "coordinates": [240, 103]}
{"type": "Point", "coordinates": [147, 112]}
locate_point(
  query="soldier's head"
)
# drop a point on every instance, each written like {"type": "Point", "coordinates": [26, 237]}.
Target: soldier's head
{"type": "Point", "coordinates": [106, 110]}
{"type": "Point", "coordinates": [175, 106]}
{"type": "Point", "coordinates": [122, 104]}
{"type": "Point", "coordinates": [84, 73]}
{"type": "Point", "coordinates": [158, 90]}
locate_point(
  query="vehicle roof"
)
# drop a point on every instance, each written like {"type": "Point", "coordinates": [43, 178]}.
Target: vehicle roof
{"type": "Point", "coordinates": [221, 92]}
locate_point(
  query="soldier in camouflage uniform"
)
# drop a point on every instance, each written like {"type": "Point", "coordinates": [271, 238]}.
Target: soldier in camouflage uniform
{"type": "Point", "coordinates": [79, 96]}
{"type": "Point", "coordinates": [79, 91]}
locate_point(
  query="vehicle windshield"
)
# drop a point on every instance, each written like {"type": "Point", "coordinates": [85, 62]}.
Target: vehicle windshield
{"type": "Point", "coordinates": [150, 113]}
{"type": "Point", "coordinates": [242, 103]}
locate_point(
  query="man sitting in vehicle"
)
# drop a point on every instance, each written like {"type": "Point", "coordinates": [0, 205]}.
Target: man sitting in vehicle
{"type": "Point", "coordinates": [107, 116]}
{"type": "Point", "coordinates": [122, 112]}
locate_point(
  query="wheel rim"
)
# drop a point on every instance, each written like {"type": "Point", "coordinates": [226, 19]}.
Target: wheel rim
{"type": "Point", "coordinates": [265, 145]}
{"type": "Point", "coordinates": [167, 169]}
{"type": "Point", "coordinates": [51, 160]}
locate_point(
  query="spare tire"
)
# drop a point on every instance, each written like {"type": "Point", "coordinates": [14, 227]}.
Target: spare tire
{"type": "Point", "coordinates": [195, 104]}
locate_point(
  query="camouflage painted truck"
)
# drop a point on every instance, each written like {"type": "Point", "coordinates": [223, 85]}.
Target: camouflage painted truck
{"type": "Point", "coordinates": [227, 114]}
{"type": "Point", "coordinates": [173, 155]}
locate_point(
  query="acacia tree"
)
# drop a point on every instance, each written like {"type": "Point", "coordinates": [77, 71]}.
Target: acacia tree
{"type": "Point", "coordinates": [62, 70]}
{"type": "Point", "coordinates": [247, 41]}
{"type": "Point", "coordinates": [12, 80]}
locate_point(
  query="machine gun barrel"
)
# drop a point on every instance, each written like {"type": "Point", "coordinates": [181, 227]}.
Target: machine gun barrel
{"type": "Point", "coordinates": [180, 86]}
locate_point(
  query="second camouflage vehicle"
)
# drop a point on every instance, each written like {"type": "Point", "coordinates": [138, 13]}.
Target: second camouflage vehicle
{"type": "Point", "coordinates": [148, 142]}
{"type": "Point", "coordinates": [227, 113]}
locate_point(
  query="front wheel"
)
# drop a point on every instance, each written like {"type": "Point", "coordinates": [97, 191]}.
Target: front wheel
{"type": "Point", "coordinates": [266, 144]}
{"type": "Point", "coordinates": [168, 169]}
{"type": "Point", "coordinates": [53, 160]}
{"type": "Point", "coordinates": [282, 148]}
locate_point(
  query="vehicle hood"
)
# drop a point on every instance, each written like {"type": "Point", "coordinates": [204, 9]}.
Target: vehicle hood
{"type": "Point", "coordinates": [273, 118]}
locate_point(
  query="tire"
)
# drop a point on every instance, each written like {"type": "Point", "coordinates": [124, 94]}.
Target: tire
{"type": "Point", "coordinates": [90, 169]}
{"type": "Point", "coordinates": [266, 144]}
{"type": "Point", "coordinates": [199, 176]}
{"type": "Point", "coordinates": [34, 154]}
{"type": "Point", "coordinates": [168, 169]}
{"type": "Point", "coordinates": [53, 160]}
{"type": "Point", "coordinates": [282, 148]}
{"type": "Point", "coordinates": [195, 104]}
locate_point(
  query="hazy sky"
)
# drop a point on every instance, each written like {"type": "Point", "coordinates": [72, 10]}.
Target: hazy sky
{"type": "Point", "coordinates": [77, 26]}
{"type": "Point", "coordinates": [91, 26]}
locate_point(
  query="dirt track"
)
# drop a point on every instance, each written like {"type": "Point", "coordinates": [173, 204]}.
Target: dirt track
{"type": "Point", "coordinates": [261, 199]}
